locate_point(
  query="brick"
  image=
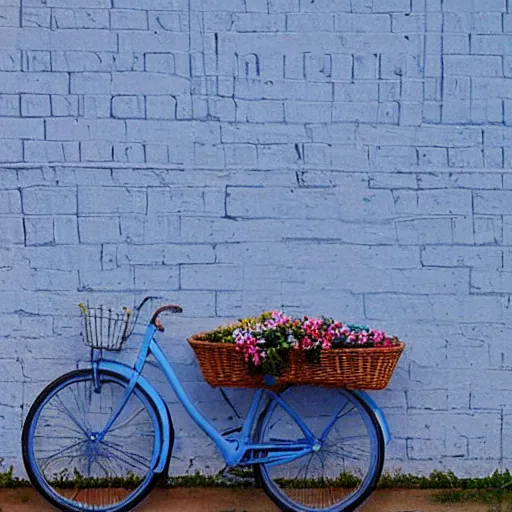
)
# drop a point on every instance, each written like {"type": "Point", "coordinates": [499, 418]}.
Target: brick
{"type": "Point", "coordinates": [9, 105]}
{"type": "Point", "coordinates": [473, 257]}
{"type": "Point", "coordinates": [127, 19]}
{"type": "Point", "coordinates": [425, 231]}
{"type": "Point", "coordinates": [148, 83]}
{"type": "Point", "coordinates": [487, 23]}
{"type": "Point", "coordinates": [282, 90]}
{"type": "Point", "coordinates": [48, 83]}
{"type": "Point", "coordinates": [473, 65]}
{"type": "Point", "coordinates": [111, 200]}
{"type": "Point", "coordinates": [470, 309]}
{"type": "Point", "coordinates": [80, 18]}
{"type": "Point", "coordinates": [146, 42]}
{"type": "Point", "coordinates": [310, 22]}
{"type": "Point", "coordinates": [49, 200]}
{"type": "Point", "coordinates": [395, 157]}
{"type": "Point", "coordinates": [107, 280]}
{"type": "Point", "coordinates": [363, 23]}
{"type": "Point", "coordinates": [286, 6]}
{"type": "Point", "coordinates": [39, 231]}
{"type": "Point", "coordinates": [65, 229]}
{"type": "Point", "coordinates": [479, 5]}
{"type": "Point", "coordinates": [260, 111]}
{"type": "Point", "coordinates": [243, 155]}
{"type": "Point", "coordinates": [35, 105]}
{"type": "Point", "coordinates": [256, 22]}
{"type": "Point", "coordinates": [21, 128]}
{"type": "Point", "coordinates": [488, 230]}
{"type": "Point", "coordinates": [34, 17]}
{"type": "Point", "coordinates": [95, 106]}
{"type": "Point", "coordinates": [10, 60]}
{"type": "Point", "coordinates": [207, 201]}
{"type": "Point", "coordinates": [273, 156]}
{"type": "Point", "coordinates": [90, 83]}
{"type": "Point", "coordinates": [327, 6]}
{"type": "Point", "coordinates": [433, 202]}
{"type": "Point", "coordinates": [11, 230]}
{"type": "Point", "coordinates": [492, 202]}
{"type": "Point", "coordinates": [64, 106]}
{"type": "Point", "coordinates": [354, 112]}
{"type": "Point", "coordinates": [286, 203]}
{"type": "Point", "coordinates": [45, 151]}
{"type": "Point", "coordinates": [467, 157]}
{"type": "Point", "coordinates": [171, 21]}
{"type": "Point", "coordinates": [81, 61]}
{"type": "Point", "coordinates": [97, 151]}
{"type": "Point", "coordinates": [161, 107]}
{"type": "Point", "coordinates": [211, 277]}
{"type": "Point", "coordinates": [36, 61]}
{"type": "Point", "coordinates": [157, 278]}
{"type": "Point", "coordinates": [11, 151]}
{"type": "Point", "coordinates": [10, 202]}
{"type": "Point", "coordinates": [9, 16]}
{"type": "Point", "coordinates": [491, 281]}
{"type": "Point", "coordinates": [129, 152]}
{"type": "Point", "coordinates": [302, 112]}
{"type": "Point", "coordinates": [128, 107]}
{"type": "Point", "coordinates": [263, 133]}
{"type": "Point", "coordinates": [85, 129]}
{"type": "Point", "coordinates": [160, 63]}
{"type": "Point", "coordinates": [490, 44]}
{"type": "Point", "coordinates": [83, 40]}
{"type": "Point", "coordinates": [94, 230]}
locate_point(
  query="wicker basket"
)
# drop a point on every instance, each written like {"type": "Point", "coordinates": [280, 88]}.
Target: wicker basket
{"type": "Point", "coordinates": [363, 368]}
{"type": "Point", "coordinates": [222, 365]}
{"type": "Point", "coordinates": [353, 368]}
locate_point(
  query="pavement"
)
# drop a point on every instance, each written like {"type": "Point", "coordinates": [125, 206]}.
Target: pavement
{"type": "Point", "coordinates": [244, 500]}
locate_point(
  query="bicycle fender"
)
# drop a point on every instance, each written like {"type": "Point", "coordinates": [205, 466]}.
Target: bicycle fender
{"type": "Point", "coordinates": [378, 413]}
{"type": "Point", "coordinates": [163, 412]}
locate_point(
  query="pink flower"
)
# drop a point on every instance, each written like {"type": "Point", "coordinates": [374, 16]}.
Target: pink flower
{"type": "Point", "coordinates": [278, 318]}
{"type": "Point", "coordinates": [247, 344]}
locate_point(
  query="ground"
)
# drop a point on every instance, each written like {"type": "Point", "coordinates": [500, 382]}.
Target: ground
{"type": "Point", "coordinates": [244, 500]}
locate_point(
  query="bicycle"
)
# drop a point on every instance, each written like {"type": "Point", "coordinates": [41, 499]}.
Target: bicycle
{"type": "Point", "coordinates": [100, 438]}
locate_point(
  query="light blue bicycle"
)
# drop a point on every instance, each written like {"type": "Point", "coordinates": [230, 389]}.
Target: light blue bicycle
{"type": "Point", "coordinates": [100, 438]}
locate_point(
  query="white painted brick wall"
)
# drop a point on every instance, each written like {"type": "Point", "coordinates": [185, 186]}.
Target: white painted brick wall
{"type": "Point", "coordinates": [337, 157]}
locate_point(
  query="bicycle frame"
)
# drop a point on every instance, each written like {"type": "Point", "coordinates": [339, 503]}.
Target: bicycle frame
{"type": "Point", "coordinates": [236, 449]}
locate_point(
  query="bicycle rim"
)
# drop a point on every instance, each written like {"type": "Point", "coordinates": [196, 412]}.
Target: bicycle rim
{"type": "Point", "coordinates": [74, 470]}
{"type": "Point", "coordinates": [345, 464]}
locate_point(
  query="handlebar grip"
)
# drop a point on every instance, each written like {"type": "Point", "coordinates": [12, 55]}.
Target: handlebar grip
{"type": "Point", "coordinates": [173, 308]}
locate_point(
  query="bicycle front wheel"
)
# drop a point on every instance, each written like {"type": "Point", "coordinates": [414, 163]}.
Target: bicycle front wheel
{"type": "Point", "coordinates": [345, 461]}
{"type": "Point", "coordinates": [71, 465]}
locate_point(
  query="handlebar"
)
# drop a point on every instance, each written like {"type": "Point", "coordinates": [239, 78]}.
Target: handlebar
{"type": "Point", "coordinates": [170, 307]}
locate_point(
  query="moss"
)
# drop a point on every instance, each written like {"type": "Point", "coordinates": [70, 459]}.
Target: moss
{"type": "Point", "coordinates": [497, 484]}
{"type": "Point", "coordinates": [9, 481]}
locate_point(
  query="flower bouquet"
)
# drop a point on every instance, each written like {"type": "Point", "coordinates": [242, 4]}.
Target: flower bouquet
{"type": "Point", "coordinates": [276, 350]}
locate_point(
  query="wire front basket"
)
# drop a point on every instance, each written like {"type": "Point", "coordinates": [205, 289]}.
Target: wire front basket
{"type": "Point", "coordinates": [105, 329]}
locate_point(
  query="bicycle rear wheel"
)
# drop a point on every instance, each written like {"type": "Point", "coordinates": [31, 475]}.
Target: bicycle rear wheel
{"type": "Point", "coordinates": [67, 462]}
{"type": "Point", "coordinates": [345, 462]}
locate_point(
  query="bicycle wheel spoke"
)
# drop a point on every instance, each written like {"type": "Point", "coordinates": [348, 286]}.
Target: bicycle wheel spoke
{"type": "Point", "coordinates": [70, 415]}
{"type": "Point", "coordinates": [133, 455]}
{"type": "Point", "coordinates": [84, 473]}
{"type": "Point", "coordinates": [80, 408]}
{"type": "Point", "coordinates": [339, 470]}
{"type": "Point", "coordinates": [127, 422]}
{"type": "Point", "coordinates": [126, 457]}
{"type": "Point", "coordinates": [61, 454]}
